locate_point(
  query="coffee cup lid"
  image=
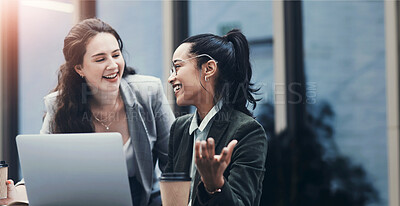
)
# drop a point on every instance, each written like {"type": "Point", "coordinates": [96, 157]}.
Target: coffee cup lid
{"type": "Point", "coordinates": [3, 164]}
{"type": "Point", "coordinates": [176, 176]}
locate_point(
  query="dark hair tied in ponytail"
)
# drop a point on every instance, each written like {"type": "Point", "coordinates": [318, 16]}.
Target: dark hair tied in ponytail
{"type": "Point", "coordinates": [231, 51]}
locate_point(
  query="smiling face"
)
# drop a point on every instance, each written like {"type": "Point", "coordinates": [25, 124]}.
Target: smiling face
{"type": "Point", "coordinates": [186, 82]}
{"type": "Point", "coordinates": [103, 64]}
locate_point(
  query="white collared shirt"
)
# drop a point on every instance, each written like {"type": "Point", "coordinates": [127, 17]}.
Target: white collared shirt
{"type": "Point", "coordinates": [200, 133]}
{"type": "Point", "coordinates": [129, 156]}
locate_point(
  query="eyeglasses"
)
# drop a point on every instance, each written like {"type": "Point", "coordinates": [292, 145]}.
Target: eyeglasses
{"type": "Point", "coordinates": [173, 68]}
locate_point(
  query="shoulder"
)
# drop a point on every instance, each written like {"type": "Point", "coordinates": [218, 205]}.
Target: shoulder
{"type": "Point", "coordinates": [141, 79]}
{"type": "Point", "coordinates": [181, 122]}
{"type": "Point", "coordinates": [242, 118]}
{"type": "Point", "coordinates": [185, 118]}
{"type": "Point", "coordinates": [246, 125]}
{"type": "Point", "coordinates": [50, 99]}
{"type": "Point", "coordinates": [142, 84]}
{"type": "Point", "coordinates": [251, 136]}
{"type": "Point", "coordinates": [50, 103]}
{"type": "Point", "coordinates": [179, 131]}
{"type": "Point", "coordinates": [51, 96]}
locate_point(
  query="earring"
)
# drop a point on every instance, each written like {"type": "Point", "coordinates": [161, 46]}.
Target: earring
{"type": "Point", "coordinates": [205, 79]}
{"type": "Point", "coordinates": [81, 76]}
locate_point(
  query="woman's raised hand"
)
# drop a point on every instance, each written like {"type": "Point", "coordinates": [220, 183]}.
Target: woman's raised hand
{"type": "Point", "coordinates": [210, 166]}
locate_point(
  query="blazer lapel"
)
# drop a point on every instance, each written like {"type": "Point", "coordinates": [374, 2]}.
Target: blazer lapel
{"type": "Point", "coordinates": [218, 128]}
{"type": "Point", "coordinates": [185, 147]}
{"type": "Point", "coordinates": [139, 138]}
{"type": "Point", "coordinates": [217, 131]}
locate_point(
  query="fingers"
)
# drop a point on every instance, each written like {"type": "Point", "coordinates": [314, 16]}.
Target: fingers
{"type": "Point", "coordinates": [204, 152]}
{"type": "Point", "coordinates": [10, 186]}
{"type": "Point", "coordinates": [9, 182]}
{"type": "Point", "coordinates": [10, 192]}
{"type": "Point", "coordinates": [210, 148]}
{"type": "Point", "coordinates": [197, 151]}
{"type": "Point", "coordinates": [205, 149]}
{"type": "Point", "coordinates": [226, 153]}
{"type": "Point", "coordinates": [223, 156]}
{"type": "Point", "coordinates": [232, 145]}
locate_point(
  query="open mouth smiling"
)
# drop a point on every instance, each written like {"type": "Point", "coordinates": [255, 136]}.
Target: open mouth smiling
{"type": "Point", "coordinates": [177, 87]}
{"type": "Point", "coordinates": [111, 76]}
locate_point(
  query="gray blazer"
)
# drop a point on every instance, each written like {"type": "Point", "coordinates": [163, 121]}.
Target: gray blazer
{"type": "Point", "coordinates": [149, 120]}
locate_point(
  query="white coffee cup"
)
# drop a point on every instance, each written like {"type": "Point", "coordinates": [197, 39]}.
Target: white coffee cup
{"type": "Point", "coordinates": [175, 189]}
{"type": "Point", "coordinates": [3, 179]}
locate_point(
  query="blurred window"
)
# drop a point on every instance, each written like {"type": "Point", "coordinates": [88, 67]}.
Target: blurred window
{"type": "Point", "coordinates": [139, 23]}
{"type": "Point", "coordinates": [254, 19]}
{"type": "Point", "coordinates": [42, 28]}
{"type": "Point", "coordinates": [344, 45]}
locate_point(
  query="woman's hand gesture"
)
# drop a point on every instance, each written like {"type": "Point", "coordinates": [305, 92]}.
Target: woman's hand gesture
{"type": "Point", "coordinates": [210, 166]}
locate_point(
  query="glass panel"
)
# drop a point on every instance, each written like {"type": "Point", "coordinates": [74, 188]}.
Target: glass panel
{"type": "Point", "coordinates": [139, 23]}
{"type": "Point", "coordinates": [254, 18]}
{"type": "Point", "coordinates": [345, 62]}
{"type": "Point", "coordinates": [42, 28]}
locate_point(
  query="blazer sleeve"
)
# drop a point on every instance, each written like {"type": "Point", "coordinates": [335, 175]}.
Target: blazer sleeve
{"type": "Point", "coordinates": [244, 175]}
{"type": "Point", "coordinates": [164, 118]}
{"type": "Point", "coordinates": [171, 151]}
{"type": "Point", "coordinates": [50, 104]}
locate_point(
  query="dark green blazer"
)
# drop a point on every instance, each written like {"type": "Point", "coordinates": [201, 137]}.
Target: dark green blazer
{"type": "Point", "coordinates": [243, 176]}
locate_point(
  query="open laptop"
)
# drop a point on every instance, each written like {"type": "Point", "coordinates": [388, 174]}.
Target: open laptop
{"type": "Point", "coordinates": [74, 169]}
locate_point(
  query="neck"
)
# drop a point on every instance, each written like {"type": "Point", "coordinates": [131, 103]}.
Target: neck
{"type": "Point", "coordinates": [105, 101]}
{"type": "Point", "coordinates": [206, 104]}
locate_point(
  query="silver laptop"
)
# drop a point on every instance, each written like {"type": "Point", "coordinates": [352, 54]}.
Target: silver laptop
{"type": "Point", "coordinates": [74, 169]}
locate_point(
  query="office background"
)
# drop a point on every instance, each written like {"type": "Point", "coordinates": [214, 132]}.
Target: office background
{"type": "Point", "coordinates": [327, 63]}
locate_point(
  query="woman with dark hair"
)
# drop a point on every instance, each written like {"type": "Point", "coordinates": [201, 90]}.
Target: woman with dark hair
{"type": "Point", "coordinates": [221, 146]}
{"type": "Point", "coordinates": [96, 92]}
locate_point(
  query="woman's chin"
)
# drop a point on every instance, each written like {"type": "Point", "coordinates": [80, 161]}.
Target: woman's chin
{"type": "Point", "coordinates": [180, 102]}
{"type": "Point", "coordinates": [109, 90]}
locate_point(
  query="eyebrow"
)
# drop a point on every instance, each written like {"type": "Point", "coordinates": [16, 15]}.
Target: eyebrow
{"type": "Point", "coordinates": [177, 60]}
{"type": "Point", "coordinates": [100, 54]}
